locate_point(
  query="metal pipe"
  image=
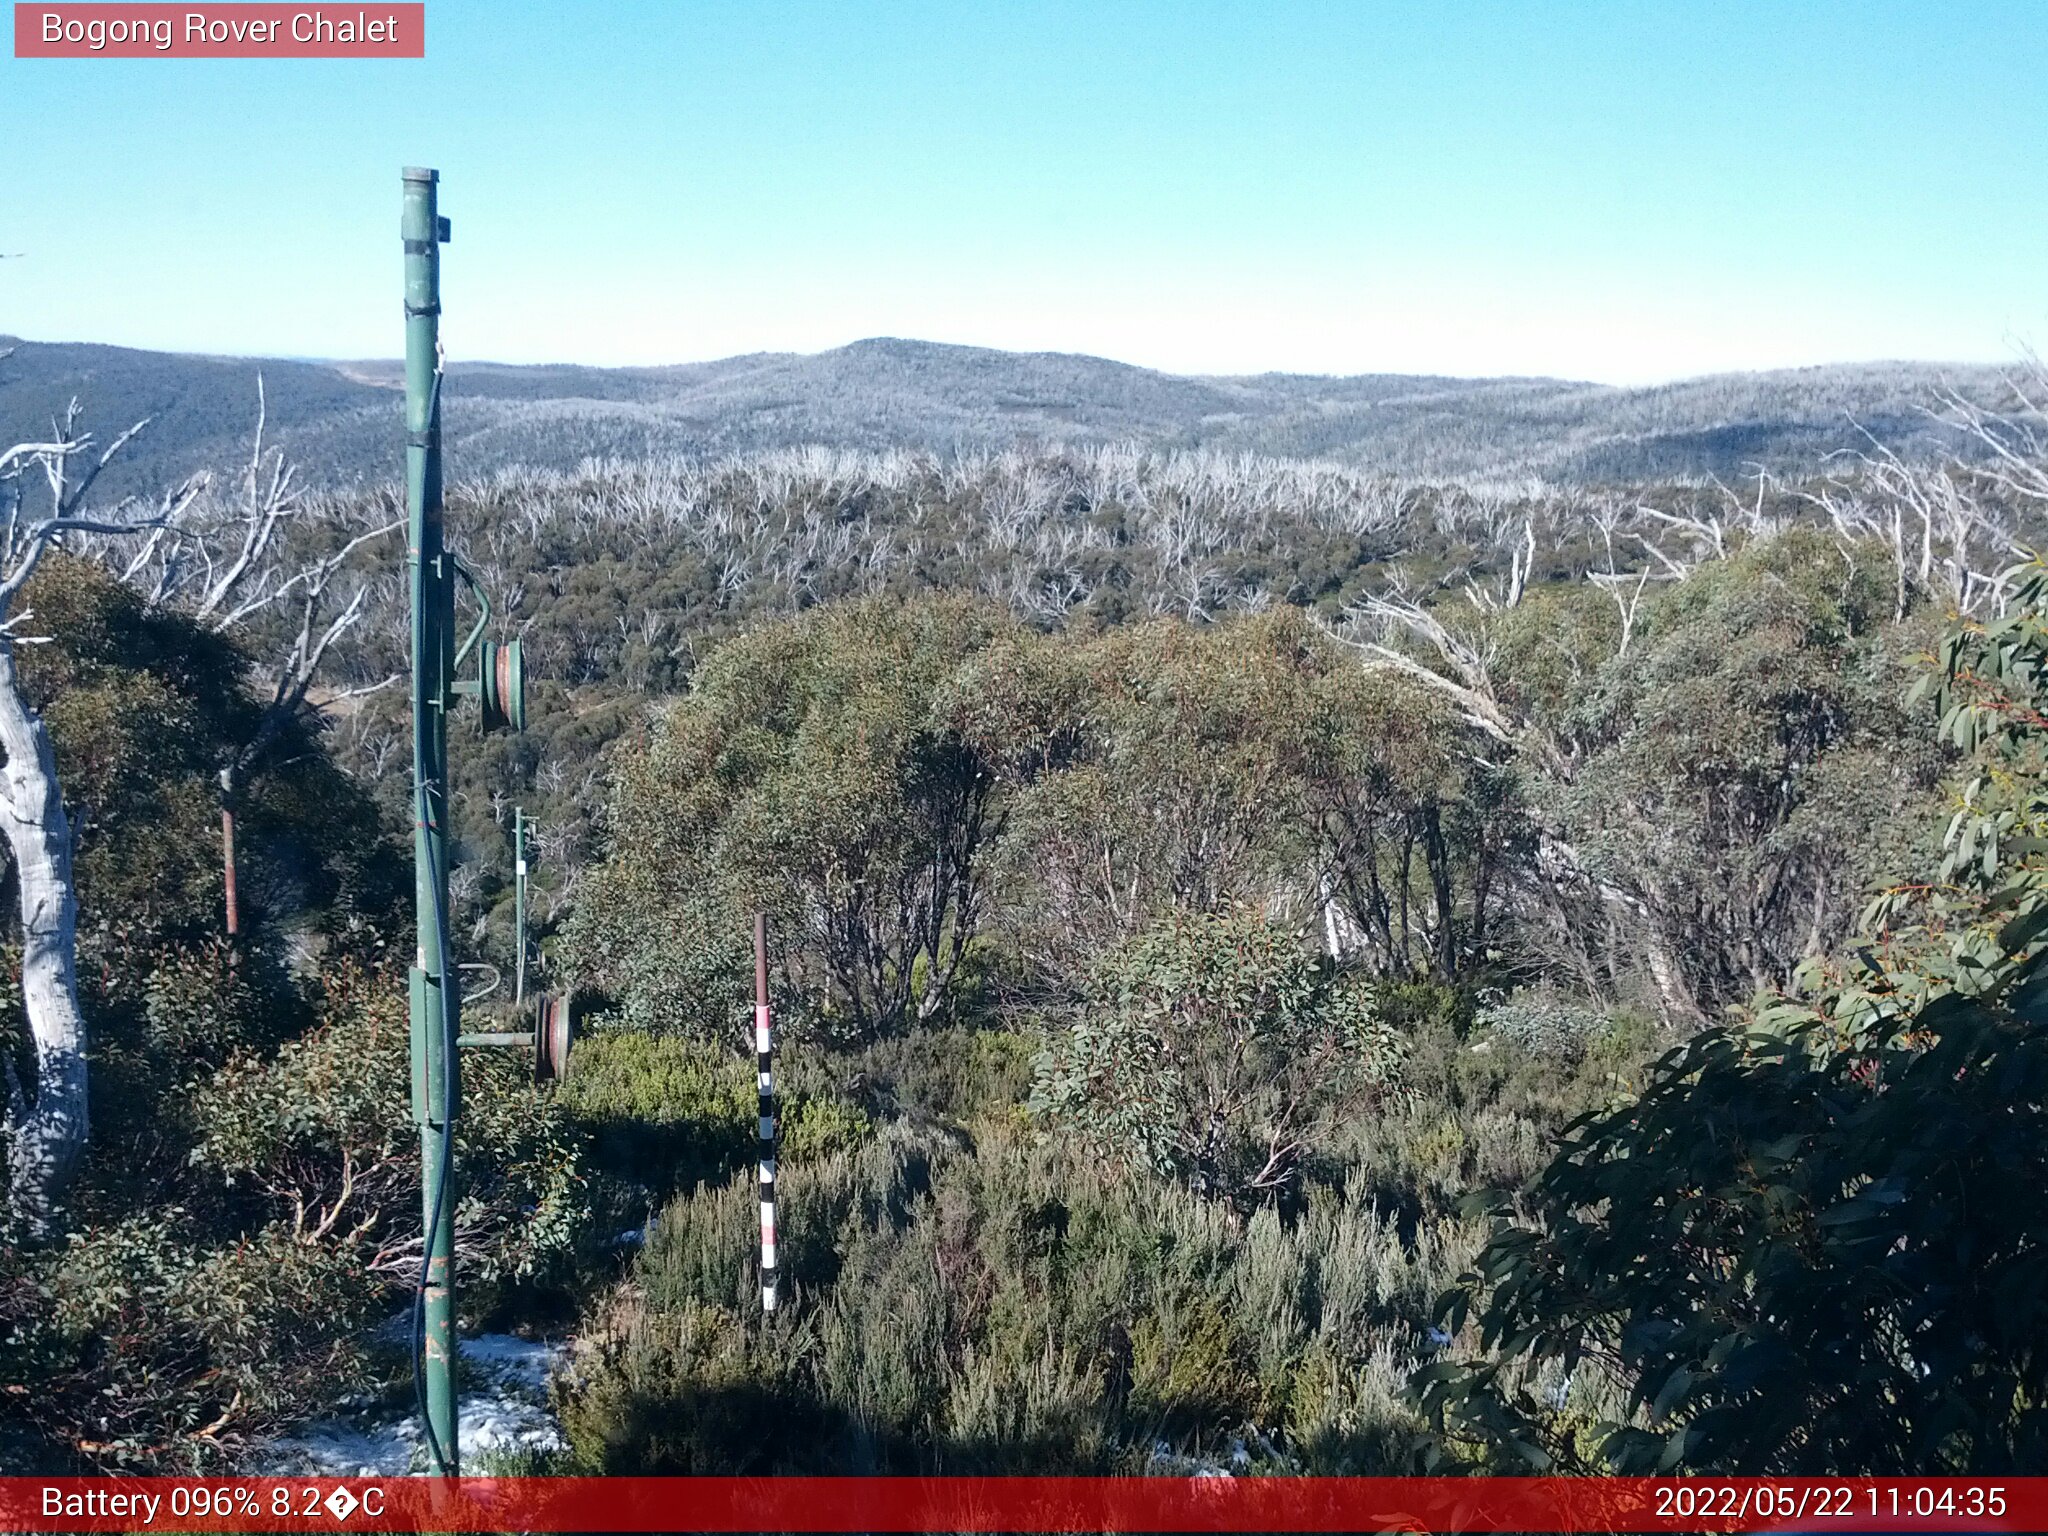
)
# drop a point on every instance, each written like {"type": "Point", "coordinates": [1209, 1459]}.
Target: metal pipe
{"type": "Point", "coordinates": [475, 584]}
{"type": "Point", "coordinates": [498, 1037]}
{"type": "Point", "coordinates": [435, 1001]}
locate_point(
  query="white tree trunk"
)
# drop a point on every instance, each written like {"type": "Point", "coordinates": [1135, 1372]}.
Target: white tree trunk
{"type": "Point", "coordinates": [1558, 862]}
{"type": "Point", "coordinates": [47, 1118]}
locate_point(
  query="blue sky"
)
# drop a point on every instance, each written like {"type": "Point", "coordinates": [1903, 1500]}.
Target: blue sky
{"type": "Point", "coordinates": [1625, 192]}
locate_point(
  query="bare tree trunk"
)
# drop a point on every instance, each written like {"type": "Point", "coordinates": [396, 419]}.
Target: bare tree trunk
{"type": "Point", "coordinates": [1437, 858]}
{"type": "Point", "coordinates": [1558, 864]}
{"type": "Point", "coordinates": [1675, 1000]}
{"type": "Point", "coordinates": [46, 1120]}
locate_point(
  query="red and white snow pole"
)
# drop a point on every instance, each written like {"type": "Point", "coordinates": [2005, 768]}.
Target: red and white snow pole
{"type": "Point", "coordinates": [763, 1060]}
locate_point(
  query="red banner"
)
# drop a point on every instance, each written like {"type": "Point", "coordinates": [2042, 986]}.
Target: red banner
{"type": "Point", "coordinates": [236, 31]}
{"type": "Point", "coordinates": [1024, 1504]}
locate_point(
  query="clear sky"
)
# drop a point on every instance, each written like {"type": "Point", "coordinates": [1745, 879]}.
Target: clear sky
{"type": "Point", "coordinates": [1625, 192]}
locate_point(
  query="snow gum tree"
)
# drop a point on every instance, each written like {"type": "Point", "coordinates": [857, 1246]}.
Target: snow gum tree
{"type": "Point", "coordinates": [47, 1120]}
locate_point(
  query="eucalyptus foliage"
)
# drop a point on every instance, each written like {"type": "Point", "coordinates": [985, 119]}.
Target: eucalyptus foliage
{"type": "Point", "coordinates": [815, 771]}
{"type": "Point", "coordinates": [1216, 1050]}
{"type": "Point", "coordinates": [1818, 1242]}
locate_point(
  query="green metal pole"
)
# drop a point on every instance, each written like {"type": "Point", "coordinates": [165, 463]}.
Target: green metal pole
{"type": "Point", "coordinates": [519, 899]}
{"type": "Point", "coordinates": [436, 1084]}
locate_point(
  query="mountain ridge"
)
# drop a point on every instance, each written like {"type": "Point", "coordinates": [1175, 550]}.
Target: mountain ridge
{"type": "Point", "coordinates": [339, 420]}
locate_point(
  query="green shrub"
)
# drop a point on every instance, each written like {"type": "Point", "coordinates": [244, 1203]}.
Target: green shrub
{"type": "Point", "coordinates": [818, 1127]}
{"type": "Point", "coordinates": [1216, 1050]}
{"type": "Point", "coordinates": [1007, 1306]}
{"type": "Point", "coordinates": [820, 770]}
{"type": "Point", "coordinates": [1545, 1023]}
{"type": "Point", "coordinates": [688, 1391]}
{"type": "Point", "coordinates": [153, 1349]}
{"type": "Point", "coordinates": [666, 1111]}
{"type": "Point", "coordinates": [323, 1131]}
{"type": "Point", "coordinates": [955, 1073]}
{"type": "Point", "coordinates": [660, 1111]}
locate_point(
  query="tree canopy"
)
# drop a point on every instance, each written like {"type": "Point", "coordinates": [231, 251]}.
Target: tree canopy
{"type": "Point", "coordinates": [1814, 1244]}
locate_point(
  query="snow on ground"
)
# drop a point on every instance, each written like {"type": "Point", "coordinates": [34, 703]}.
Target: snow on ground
{"type": "Point", "coordinates": [1237, 1460]}
{"type": "Point", "coordinates": [504, 1409]}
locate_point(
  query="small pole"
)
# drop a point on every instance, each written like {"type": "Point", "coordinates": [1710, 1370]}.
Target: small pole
{"type": "Point", "coordinates": [763, 1057]}
{"type": "Point", "coordinates": [227, 844]}
{"type": "Point", "coordinates": [519, 901]}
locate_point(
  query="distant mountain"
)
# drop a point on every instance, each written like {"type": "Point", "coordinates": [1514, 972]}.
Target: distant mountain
{"type": "Point", "coordinates": [341, 421]}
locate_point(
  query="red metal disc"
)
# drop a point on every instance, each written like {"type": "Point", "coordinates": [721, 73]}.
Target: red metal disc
{"type": "Point", "coordinates": [553, 1035]}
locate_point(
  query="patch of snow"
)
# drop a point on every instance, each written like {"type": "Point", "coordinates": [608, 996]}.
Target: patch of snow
{"type": "Point", "coordinates": [1241, 1458]}
{"type": "Point", "coordinates": [1165, 1461]}
{"type": "Point", "coordinates": [507, 1359]}
{"type": "Point", "coordinates": [504, 1409]}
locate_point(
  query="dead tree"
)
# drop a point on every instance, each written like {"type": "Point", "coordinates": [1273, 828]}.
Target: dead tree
{"type": "Point", "coordinates": [1462, 673]}
{"type": "Point", "coordinates": [47, 1119]}
{"type": "Point", "coordinates": [232, 564]}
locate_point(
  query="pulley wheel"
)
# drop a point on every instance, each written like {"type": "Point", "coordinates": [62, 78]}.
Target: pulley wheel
{"type": "Point", "coordinates": [554, 1032]}
{"type": "Point", "coordinates": [501, 685]}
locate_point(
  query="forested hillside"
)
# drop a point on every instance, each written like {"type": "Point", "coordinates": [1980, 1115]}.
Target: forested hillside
{"type": "Point", "coordinates": [336, 418]}
{"type": "Point", "coordinates": [1282, 965]}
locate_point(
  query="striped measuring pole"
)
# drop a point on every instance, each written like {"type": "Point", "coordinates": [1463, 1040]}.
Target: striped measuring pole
{"type": "Point", "coordinates": [763, 1059]}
